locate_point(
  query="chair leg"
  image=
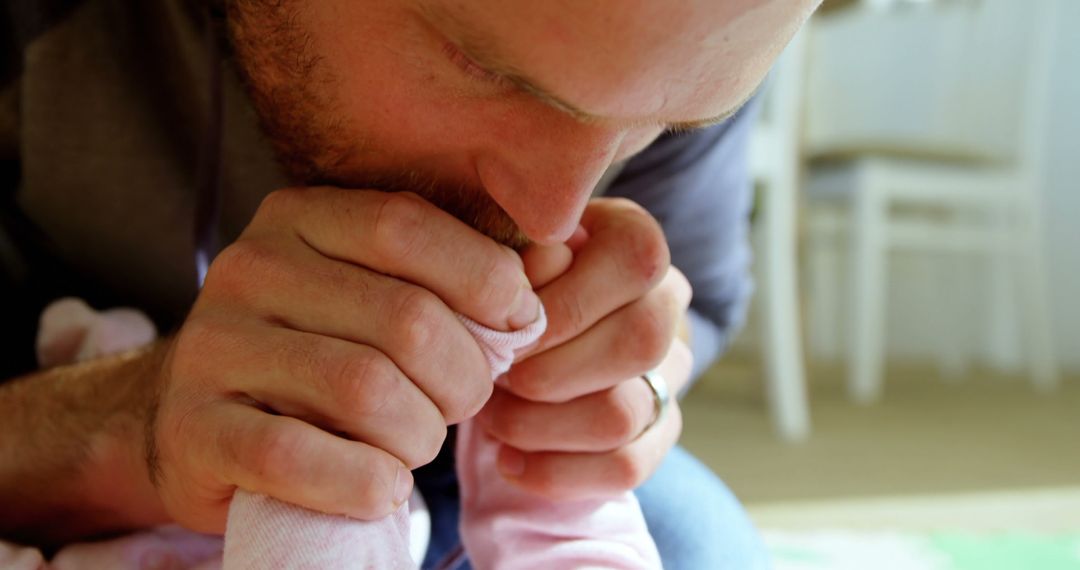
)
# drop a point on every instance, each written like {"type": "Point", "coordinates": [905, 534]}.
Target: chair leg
{"type": "Point", "coordinates": [785, 377]}
{"type": "Point", "coordinates": [868, 264]}
{"type": "Point", "coordinates": [1038, 325]}
{"type": "Point", "coordinates": [952, 349]}
{"type": "Point", "coordinates": [823, 263]}
{"type": "Point", "coordinates": [1003, 289]}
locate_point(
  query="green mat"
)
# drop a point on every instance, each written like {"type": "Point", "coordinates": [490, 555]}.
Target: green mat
{"type": "Point", "coordinates": [855, 550]}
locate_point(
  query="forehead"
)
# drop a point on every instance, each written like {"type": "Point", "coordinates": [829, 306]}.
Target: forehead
{"type": "Point", "coordinates": [665, 60]}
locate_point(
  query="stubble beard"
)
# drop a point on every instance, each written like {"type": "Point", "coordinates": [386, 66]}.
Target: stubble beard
{"type": "Point", "coordinates": [292, 93]}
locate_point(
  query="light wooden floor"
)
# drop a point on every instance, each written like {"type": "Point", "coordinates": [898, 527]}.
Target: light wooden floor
{"type": "Point", "coordinates": [927, 436]}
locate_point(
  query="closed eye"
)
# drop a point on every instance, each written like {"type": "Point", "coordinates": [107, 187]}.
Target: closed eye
{"type": "Point", "coordinates": [470, 67]}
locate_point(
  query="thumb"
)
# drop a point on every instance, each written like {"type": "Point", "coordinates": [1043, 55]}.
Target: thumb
{"type": "Point", "coordinates": [544, 263]}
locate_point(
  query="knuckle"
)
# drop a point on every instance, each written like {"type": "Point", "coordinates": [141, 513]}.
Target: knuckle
{"type": "Point", "coordinates": [424, 453]}
{"type": "Point", "coordinates": [415, 320]}
{"type": "Point", "coordinates": [470, 399]}
{"type": "Point", "coordinates": [364, 383]}
{"type": "Point", "coordinates": [498, 285]}
{"type": "Point", "coordinates": [240, 269]}
{"type": "Point", "coordinates": [276, 202]}
{"type": "Point", "coordinates": [681, 291]}
{"type": "Point", "coordinates": [628, 472]}
{"type": "Point", "coordinates": [647, 253]}
{"type": "Point", "coordinates": [198, 338]}
{"type": "Point", "coordinates": [652, 336]}
{"type": "Point", "coordinates": [418, 324]}
{"type": "Point", "coordinates": [574, 315]}
{"type": "Point", "coordinates": [374, 490]}
{"type": "Point", "coordinates": [398, 229]}
{"type": "Point", "coordinates": [619, 423]}
{"type": "Point", "coordinates": [649, 259]}
{"type": "Point", "coordinates": [274, 453]}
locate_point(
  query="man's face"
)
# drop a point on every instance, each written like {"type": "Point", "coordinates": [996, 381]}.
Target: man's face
{"type": "Point", "coordinates": [503, 112]}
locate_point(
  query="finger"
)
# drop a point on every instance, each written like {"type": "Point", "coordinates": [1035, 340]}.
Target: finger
{"type": "Point", "coordinates": [601, 421]}
{"type": "Point", "coordinates": [409, 324]}
{"type": "Point", "coordinates": [577, 239]}
{"type": "Point", "coordinates": [294, 462]}
{"type": "Point", "coordinates": [543, 263]}
{"type": "Point", "coordinates": [632, 340]}
{"type": "Point", "coordinates": [402, 235]}
{"type": "Point", "coordinates": [625, 246]}
{"type": "Point", "coordinates": [561, 476]}
{"type": "Point", "coordinates": [341, 387]}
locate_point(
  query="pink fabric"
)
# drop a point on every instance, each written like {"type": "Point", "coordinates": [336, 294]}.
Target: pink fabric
{"type": "Point", "coordinates": [506, 528]}
{"type": "Point", "coordinates": [69, 331]}
{"type": "Point", "coordinates": [266, 533]}
{"type": "Point", "coordinates": [503, 527]}
{"type": "Point", "coordinates": [162, 548]}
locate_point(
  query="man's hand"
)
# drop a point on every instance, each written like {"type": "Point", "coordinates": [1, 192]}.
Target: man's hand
{"type": "Point", "coordinates": [323, 360]}
{"type": "Point", "coordinates": [572, 413]}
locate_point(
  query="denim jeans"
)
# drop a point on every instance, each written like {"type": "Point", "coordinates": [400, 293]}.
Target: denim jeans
{"type": "Point", "coordinates": [696, 521]}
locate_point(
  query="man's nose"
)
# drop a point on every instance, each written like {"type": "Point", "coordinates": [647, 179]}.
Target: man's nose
{"type": "Point", "coordinates": [544, 178]}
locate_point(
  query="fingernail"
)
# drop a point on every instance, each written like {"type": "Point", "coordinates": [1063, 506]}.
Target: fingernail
{"type": "Point", "coordinates": [402, 486]}
{"type": "Point", "coordinates": [511, 462]}
{"type": "Point", "coordinates": [526, 309]}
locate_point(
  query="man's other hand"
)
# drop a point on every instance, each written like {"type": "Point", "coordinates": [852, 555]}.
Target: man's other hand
{"type": "Point", "coordinates": [574, 414]}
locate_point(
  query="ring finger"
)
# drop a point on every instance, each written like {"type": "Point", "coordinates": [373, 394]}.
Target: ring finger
{"type": "Point", "coordinates": [601, 421]}
{"type": "Point", "coordinates": [633, 339]}
{"type": "Point", "coordinates": [560, 475]}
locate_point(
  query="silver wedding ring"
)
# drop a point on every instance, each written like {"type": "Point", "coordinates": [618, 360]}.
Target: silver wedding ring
{"type": "Point", "coordinates": [661, 396]}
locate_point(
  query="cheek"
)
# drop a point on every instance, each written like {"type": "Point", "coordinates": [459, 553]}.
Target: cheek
{"type": "Point", "coordinates": [414, 119]}
{"type": "Point", "coordinates": [388, 87]}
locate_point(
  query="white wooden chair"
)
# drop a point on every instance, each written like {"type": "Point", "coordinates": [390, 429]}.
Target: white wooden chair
{"type": "Point", "coordinates": [941, 136]}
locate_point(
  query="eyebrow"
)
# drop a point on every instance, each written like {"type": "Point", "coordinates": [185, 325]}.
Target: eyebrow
{"type": "Point", "coordinates": [480, 51]}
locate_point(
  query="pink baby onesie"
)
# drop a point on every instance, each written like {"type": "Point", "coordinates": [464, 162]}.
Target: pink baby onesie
{"type": "Point", "coordinates": [503, 527]}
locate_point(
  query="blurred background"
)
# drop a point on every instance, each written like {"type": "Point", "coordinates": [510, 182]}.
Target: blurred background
{"type": "Point", "coordinates": [906, 393]}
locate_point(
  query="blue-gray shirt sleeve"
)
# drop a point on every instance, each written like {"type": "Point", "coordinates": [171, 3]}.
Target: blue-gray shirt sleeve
{"type": "Point", "coordinates": [698, 185]}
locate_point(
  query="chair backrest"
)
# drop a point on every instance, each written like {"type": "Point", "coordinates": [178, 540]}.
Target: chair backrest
{"type": "Point", "coordinates": [1011, 54]}
{"type": "Point", "coordinates": [955, 78]}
